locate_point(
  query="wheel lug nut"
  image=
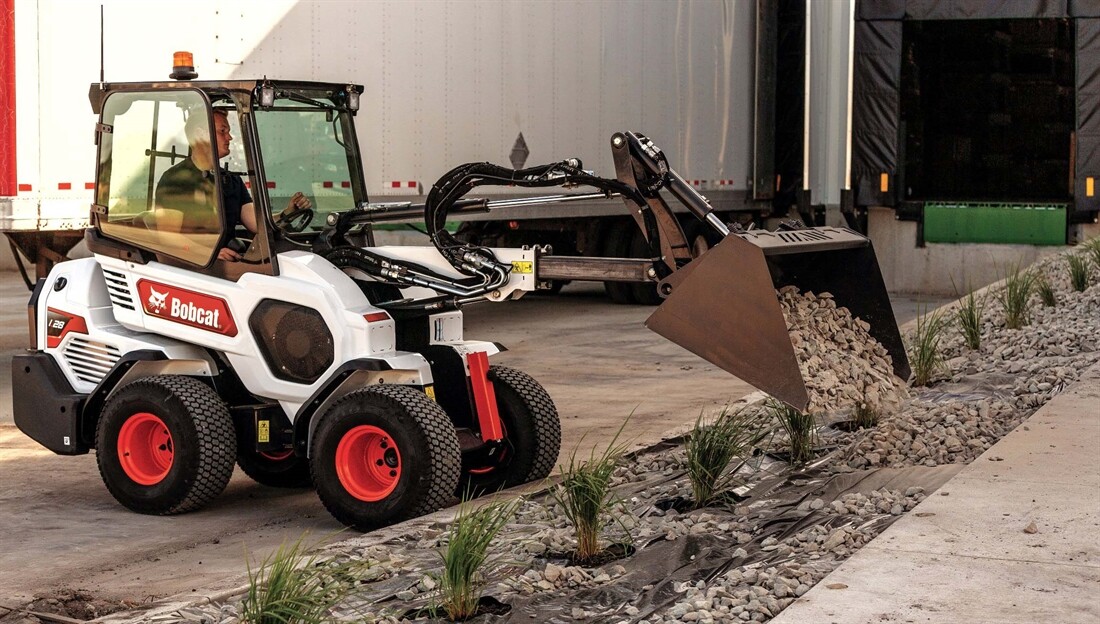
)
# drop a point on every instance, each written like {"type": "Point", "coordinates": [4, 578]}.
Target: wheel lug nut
{"type": "Point", "coordinates": [379, 462]}
{"type": "Point", "coordinates": [393, 473]}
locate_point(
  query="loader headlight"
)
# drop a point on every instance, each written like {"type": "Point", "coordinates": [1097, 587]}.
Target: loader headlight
{"type": "Point", "coordinates": [353, 99]}
{"type": "Point", "coordinates": [267, 95]}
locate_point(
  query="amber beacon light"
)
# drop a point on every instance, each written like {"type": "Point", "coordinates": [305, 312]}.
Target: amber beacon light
{"type": "Point", "coordinates": [183, 66]}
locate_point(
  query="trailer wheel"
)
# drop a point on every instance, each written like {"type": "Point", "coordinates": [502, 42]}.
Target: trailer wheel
{"type": "Point", "coordinates": [165, 445]}
{"type": "Point", "coordinates": [281, 469]}
{"type": "Point", "coordinates": [532, 435]}
{"type": "Point", "coordinates": [383, 454]}
{"type": "Point", "coordinates": [644, 293]}
{"type": "Point", "coordinates": [617, 245]}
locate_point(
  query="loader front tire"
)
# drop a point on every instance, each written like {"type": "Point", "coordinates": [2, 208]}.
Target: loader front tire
{"type": "Point", "coordinates": [383, 454]}
{"type": "Point", "coordinates": [165, 445]}
{"type": "Point", "coordinates": [532, 436]}
{"type": "Point", "coordinates": [282, 470]}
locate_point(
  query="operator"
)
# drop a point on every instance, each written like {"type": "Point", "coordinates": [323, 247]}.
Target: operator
{"type": "Point", "coordinates": [191, 182]}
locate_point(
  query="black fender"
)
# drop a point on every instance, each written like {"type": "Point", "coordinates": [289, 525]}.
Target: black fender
{"type": "Point", "coordinates": [93, 405]}
{"type": "Point", "coordinates": [304, 421]}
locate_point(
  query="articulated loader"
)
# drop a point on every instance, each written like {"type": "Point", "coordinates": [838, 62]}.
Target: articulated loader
{"type": "Point", "coordinates": [313, 357]}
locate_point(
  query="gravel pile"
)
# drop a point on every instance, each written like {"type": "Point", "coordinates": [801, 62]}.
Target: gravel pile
{"type": "Point", "coordinates": [985, 393]}
{"type": "Point", "coordinates": [756, 557]}
{"type": "Point", "coordinates": [841, 363]}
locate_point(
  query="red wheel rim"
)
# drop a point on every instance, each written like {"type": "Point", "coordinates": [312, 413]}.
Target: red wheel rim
{"type": "Point", "coordinates": [277, 455]}
{"type": "Point", "coordinates": [368, 463]}
{"type": "Point", "coordinates": [145, 449]}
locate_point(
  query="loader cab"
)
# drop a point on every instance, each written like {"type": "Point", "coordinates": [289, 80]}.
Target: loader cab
{"type": "Point", "coordinates": [168, 190]}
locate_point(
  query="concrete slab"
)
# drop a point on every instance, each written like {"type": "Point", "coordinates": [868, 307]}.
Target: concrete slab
{"type": "Point", "coordinates": [969, 555]}
{"type": "Point", "coordinates": [947, 589]}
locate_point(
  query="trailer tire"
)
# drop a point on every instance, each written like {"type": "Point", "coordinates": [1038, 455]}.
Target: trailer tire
{"type": "Point", "coordinates": [532, 431]}
{"type": "Point", "coordinates": [383, 454]}
{"type": "Point", "coordinates": [644, 293]}
{"type": "Point", "coordinates": [165, 445]}
{"type": "Point", "coordinates": [617, 245]}
{"type": "Point", "coordinates": [282, 470]}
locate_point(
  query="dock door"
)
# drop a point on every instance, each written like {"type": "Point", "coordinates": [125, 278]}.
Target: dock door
{"type": "Point", "coordinates": [980, 119]}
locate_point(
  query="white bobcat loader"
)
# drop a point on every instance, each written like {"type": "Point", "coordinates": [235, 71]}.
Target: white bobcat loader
{"type": "Point", "coordinates": [319, 358]}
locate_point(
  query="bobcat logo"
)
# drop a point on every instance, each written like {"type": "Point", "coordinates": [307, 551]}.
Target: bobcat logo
{"type": "Point", "coordinates": [156, 301]}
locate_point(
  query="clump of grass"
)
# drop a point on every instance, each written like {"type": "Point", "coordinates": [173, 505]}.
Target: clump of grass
{"type": "Point", "coordinates": [865, 415]}
{"type": "Point", "coordinates": [1045, 291]}
{"type": "Point", "coordinates": [969, 316]}
{"type": "Point", "coordinates": [713, 446]}
{"type": "Point", "coordinates": [467, 551]}
{"type": "Point", "coordinates": [1014, 298]}
{"type": "Point", "coordinates": [1078, 272]}
{"type": "Point", "coordinates": [1092, 247]}
{"type": "Point", "coordinates": [585, 496]}
{"type": "Point", "coordinates": [801, 429]}
{"type": "Point", "coordinates": [293, 587]}
{"type": "Point", "coordinates": [924, 347]}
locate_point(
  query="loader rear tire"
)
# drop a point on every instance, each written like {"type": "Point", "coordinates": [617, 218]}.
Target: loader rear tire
{"type": "Point", "coordinates": [383, 454]}
{"type": "Point", "coordinates": [283, 469]}
{"type": "Point", "coordinates": [165, 445]}
{"type": "Point", "coordinates": [532, 435]}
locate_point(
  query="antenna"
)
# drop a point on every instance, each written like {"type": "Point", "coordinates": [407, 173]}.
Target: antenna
{"type": "Point", "coordinates": [101, 46]}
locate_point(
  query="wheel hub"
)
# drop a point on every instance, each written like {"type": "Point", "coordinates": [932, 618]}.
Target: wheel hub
{"type": "Point", "coordinates": [145, 449]}
{"type": "Point", "coordinates": [368, 463]}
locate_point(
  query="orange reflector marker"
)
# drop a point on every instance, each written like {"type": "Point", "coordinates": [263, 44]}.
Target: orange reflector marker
{"type": "Point", "coordinates": [1090, 186]}
{"type": "Point", "coordinates": [377, 317]}
{"type": "Point", "coordinates": [485, 397]}
{"type": "Point", "coordinates": [884, 183]}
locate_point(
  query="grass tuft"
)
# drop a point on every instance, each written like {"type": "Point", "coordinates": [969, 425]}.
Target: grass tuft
{"type": "Point", "coordinates": [585, 496]}
{"type": "Point", "coordinates": [467, 552]}
{"type": "Point", "coordinates": [1078, 272]}
{"type": "Point", "coordinates": [969, 316]}
{"type": "Point", "coordinates": [1092, 248]}
{"type": "Point", "coordinates": [713, 446]}
{"type": "Point", "coordinates": [924, 347]}
{"type": "Point", "coordinates": [1014, 298]}
{"type": "Point", "coordinates": [865, 415]}
{"type": "Point", "coordinates": [801, 429]}
{"type": "Point", "coordinates": [293, 587]}
{"type": "Point", "coordinates": [1045, 291]}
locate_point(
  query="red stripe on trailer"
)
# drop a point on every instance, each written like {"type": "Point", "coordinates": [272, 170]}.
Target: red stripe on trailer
{"type": "Point", "coordinates": [89, 186]}
{"type": "Point", "coordinates": [345, 184]}
{"type": "Point", "coordinates": [327, 184]}
{"type": "Point", "coordinates": [64, 186]}
{"type": "Point", "coordinates": [25, 188]}
{"type": "Point", "coordinates": [270, 184]}
{"type": "Point", "coordinates": [8, 171]}
{"type": "Point", "coordinates": [412, 184]}
{"type": "Point", "coordinates": [485, 398]}
{"type": "Point", "coordinates": [395, 184]}
{"type": "Point", "coordinates": [247, 184]}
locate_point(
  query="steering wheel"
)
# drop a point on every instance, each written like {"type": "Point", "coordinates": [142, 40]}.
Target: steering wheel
{"type": "Point", "coordinates": [294, 219]}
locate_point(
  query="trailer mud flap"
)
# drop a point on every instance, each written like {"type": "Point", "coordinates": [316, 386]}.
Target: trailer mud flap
{"type": "Point", "coordinates": [723, 305]}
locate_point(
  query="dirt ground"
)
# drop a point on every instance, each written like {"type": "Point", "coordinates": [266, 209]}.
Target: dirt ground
{"type": "Point", "coordinates": [64, 533]}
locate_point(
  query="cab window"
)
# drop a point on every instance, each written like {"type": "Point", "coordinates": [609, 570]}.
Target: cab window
{"type": "Point", "coordinates": [159, 176]}
{"type": "Point", "coordinates": [305, 151]}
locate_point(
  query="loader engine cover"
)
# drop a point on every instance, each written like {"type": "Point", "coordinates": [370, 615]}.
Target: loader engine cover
{"type": "Point", "coordinates": [294, 340]}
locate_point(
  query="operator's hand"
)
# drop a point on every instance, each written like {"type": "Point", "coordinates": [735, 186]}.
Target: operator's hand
{"type": "Point", "coordinates": [228, 255]}
{"type": "Point", "coordinates": [298, 202]}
